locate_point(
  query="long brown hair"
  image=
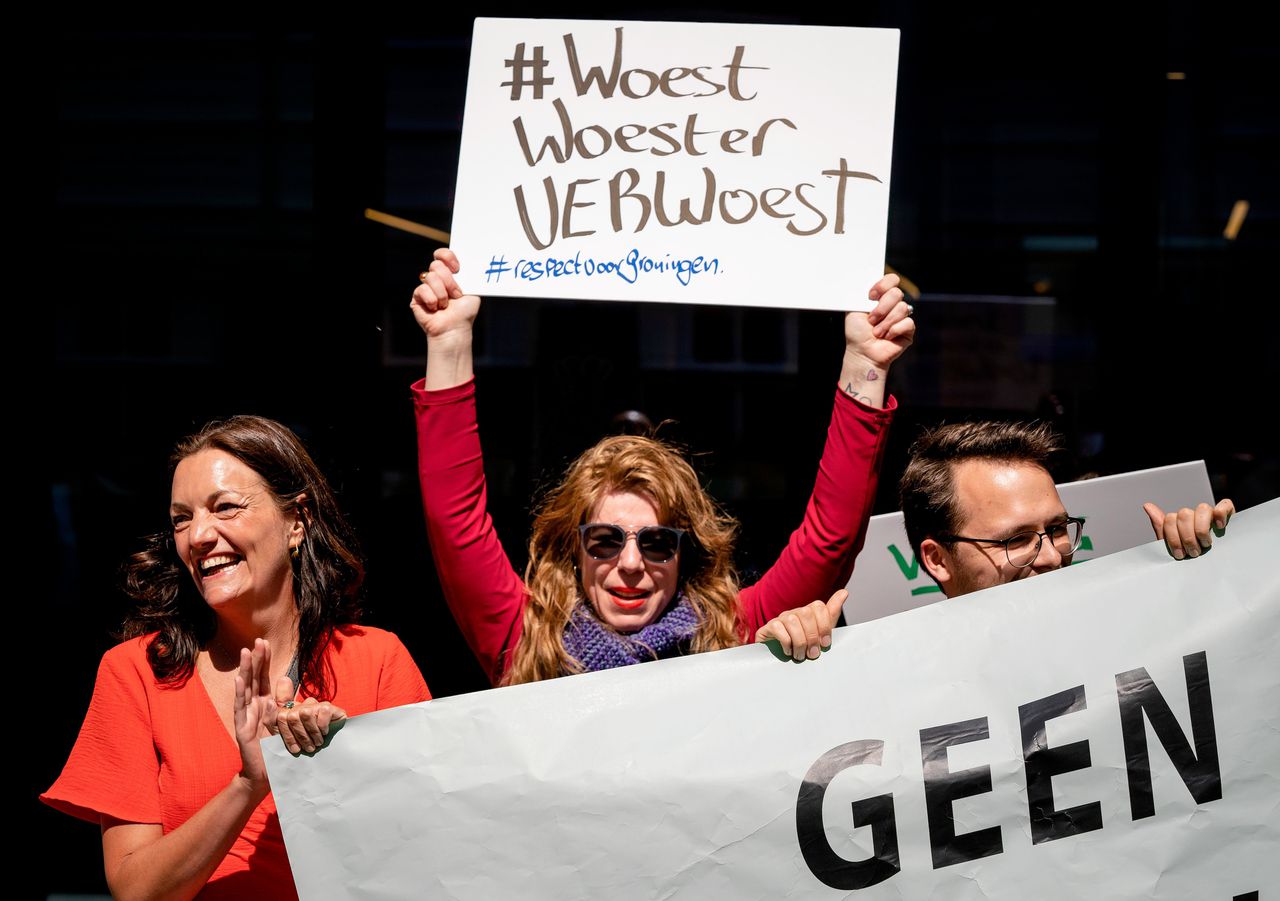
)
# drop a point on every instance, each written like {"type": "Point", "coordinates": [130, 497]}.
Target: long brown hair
{"type": "Point", "coordinates": [327, 572]}
{"type": "Point", "coordinates": [657, 472]}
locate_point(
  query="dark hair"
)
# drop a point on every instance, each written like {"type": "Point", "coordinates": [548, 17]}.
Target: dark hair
{"type": "Point", "coordinates": [927, 490]}
{"type": "Point", "coordinates": [327, 572]}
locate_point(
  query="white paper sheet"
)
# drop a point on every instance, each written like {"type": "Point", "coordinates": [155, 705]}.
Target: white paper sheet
{"type": "Point", "coordinates": [777, 141]}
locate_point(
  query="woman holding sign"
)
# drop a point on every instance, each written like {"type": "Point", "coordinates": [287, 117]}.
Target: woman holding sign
{"type": "Point", "coordinates": [169, 761]}
{"type": "Point", "coordinates": [630, 560]}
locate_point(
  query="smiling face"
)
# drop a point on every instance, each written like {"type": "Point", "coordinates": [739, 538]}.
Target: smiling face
{"type": "Point", "coordinates": [996, 499]}
{"type": "Point", "coordinates": [230, 534]}
{"type": "Point", "coordinates": [628, 592]}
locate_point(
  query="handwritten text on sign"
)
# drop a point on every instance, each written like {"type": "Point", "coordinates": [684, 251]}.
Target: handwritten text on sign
{"type": "Point", "coordinates": [673, 161]}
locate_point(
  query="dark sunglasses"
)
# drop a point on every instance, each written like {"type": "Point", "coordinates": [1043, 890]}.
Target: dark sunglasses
{"type": "Point", "coordinates": [605, 540]}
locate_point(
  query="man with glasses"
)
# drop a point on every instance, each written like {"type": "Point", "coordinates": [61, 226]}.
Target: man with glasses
{"type": "Point", "coordinates": [981, 509]}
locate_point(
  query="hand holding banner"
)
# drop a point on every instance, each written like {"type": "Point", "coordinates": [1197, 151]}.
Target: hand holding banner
{"type": "Point", "coordinates": [1104, 731]}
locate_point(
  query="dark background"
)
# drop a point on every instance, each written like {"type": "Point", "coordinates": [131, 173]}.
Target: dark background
{"type": "Point", "coordinates": [1059, 199]}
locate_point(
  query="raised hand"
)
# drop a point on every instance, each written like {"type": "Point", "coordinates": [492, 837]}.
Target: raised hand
{"type": "Point", "coordinates": [254, 712]}
{"type": "Point", "coordinates": [872, 341]}
{"type": "Point", "coordinates": [439, 304]}
{"type": "Point", "coordinates": [880, 336]}
{"type": "Point", "coordinates": [446, 316]}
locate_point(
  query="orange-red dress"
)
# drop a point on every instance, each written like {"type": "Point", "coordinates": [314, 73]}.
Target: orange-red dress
{"type": "Point", "coordinates": [150, 752]}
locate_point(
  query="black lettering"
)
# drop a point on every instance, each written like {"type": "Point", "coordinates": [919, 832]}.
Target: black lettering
{"type": "Point", "coordinates": [876, 812]}
{"type": "Point", "coordinates": [1199, 770]}
{"type": "Point", "coordinates": [942, 787]}
{"type": "Point", "coordinates": [1042, 763]}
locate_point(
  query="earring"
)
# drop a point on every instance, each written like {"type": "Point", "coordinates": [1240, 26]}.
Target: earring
{"type": "Point", "coordinates": [293, 552]}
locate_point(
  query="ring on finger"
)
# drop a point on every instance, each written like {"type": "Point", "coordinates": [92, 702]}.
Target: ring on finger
{"type": "Point", "coordinates": [288, 705]}
{"type": "Point", "coordinates": [911, 311]}
{"type": "Point", "coordinates": [422, 276]}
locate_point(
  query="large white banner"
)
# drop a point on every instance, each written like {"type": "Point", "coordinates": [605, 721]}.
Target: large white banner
{"type": "Point", "coordinates": [1106, 731]}
{"type": "Point", "coordinates": [888, 579]}
{"type": "Point", "coordinates": [676, 161]}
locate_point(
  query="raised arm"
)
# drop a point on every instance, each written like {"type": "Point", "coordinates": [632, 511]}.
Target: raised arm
{"type": "Point", "coordinates": [819, 557]}
{"type": "Point", "coordinates": [872, 341]}
{"type": "Point", "coordinates": [484, 593]}
{"type": "Point", "coordinates": [446, 316]}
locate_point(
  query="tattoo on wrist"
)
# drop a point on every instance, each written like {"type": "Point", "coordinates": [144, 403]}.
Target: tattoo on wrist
{"type": "Point", "coordinates": [853, 392]}
{"type": "Point", "coordinates": [872, 376]}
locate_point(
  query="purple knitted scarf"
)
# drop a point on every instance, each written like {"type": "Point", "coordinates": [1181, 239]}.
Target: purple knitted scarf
{"type": "Point", "coordinates": [597, 647]}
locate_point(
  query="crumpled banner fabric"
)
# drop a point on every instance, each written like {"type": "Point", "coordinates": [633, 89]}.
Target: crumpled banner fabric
{"type": "Point", "coordinates": [1108, 731]}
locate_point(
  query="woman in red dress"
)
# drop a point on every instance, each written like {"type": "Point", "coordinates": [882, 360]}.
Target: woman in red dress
{"type": "Point", "coordinates": [254, 589]}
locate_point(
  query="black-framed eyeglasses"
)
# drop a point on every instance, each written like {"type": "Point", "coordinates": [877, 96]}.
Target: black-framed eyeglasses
{"type": "Point", "coordinates": [605, 540]}
{"type": "Point", "coordinates": [1023, 548]}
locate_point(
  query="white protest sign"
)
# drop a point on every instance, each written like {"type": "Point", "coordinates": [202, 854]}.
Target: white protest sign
{"type": "Point", "coordinates": [1105, 731]}
{"type": "Point", "coordinates": [691, 162]}
{"type": "Point", "coordinates": [888, 579]}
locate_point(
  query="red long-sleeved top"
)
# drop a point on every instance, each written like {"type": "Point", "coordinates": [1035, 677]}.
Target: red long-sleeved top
{"type": "Point", "coordinates": [487, 596]}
